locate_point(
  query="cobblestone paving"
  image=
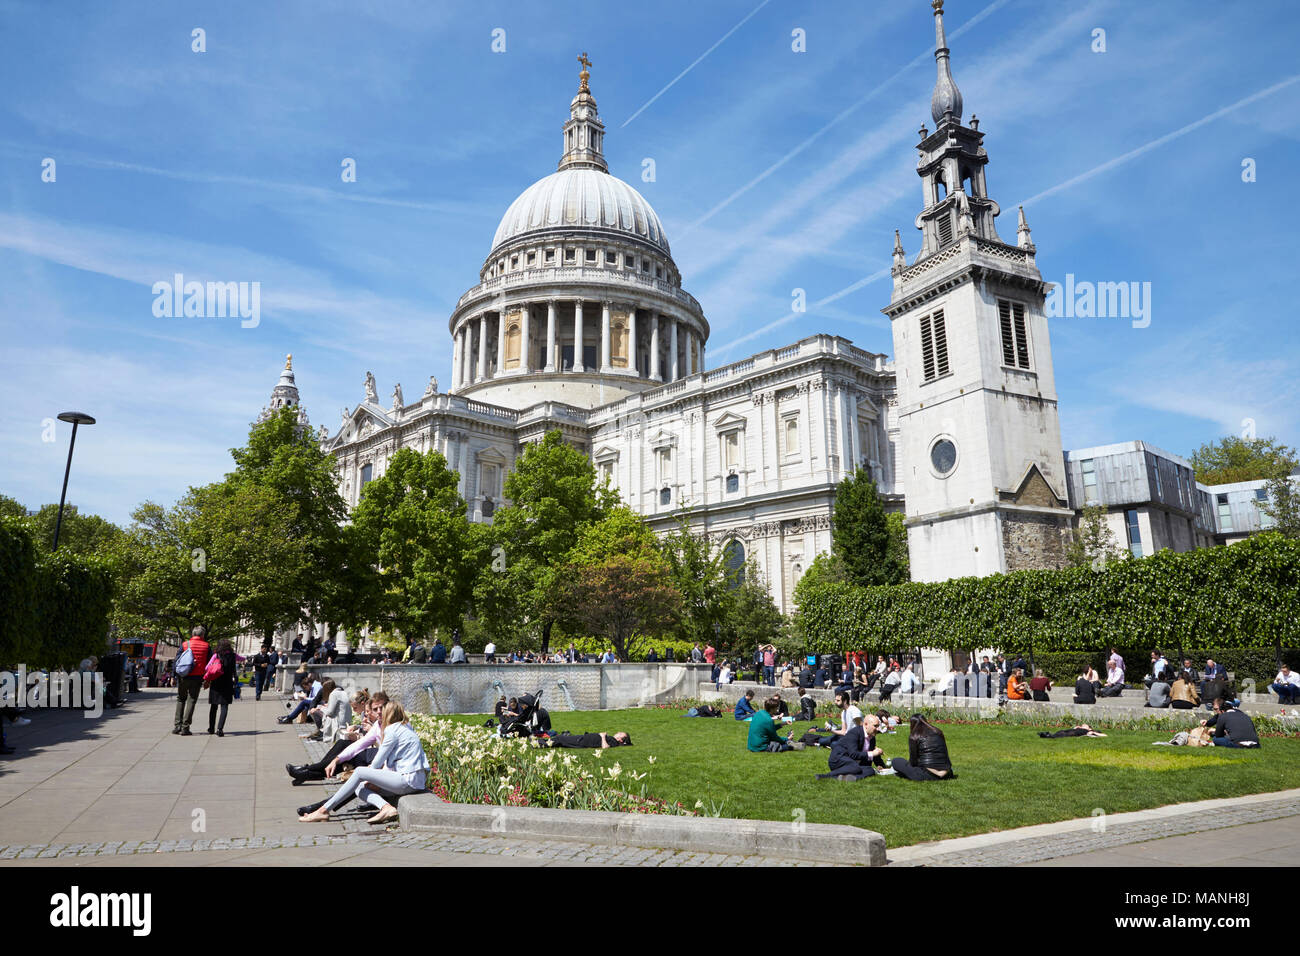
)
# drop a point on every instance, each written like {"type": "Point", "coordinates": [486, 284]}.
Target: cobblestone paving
{"type": "Point", "coordinates": [557, 850]}
{"type": "Point", "coordinates": [1089, 840]}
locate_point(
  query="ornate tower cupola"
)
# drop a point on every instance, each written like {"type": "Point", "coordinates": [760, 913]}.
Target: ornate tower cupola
{"type": "Point", "coordinates": [284, 394]}
{"type": "Point", "coordinates": [951, 164]}
{"type": "Point", "coordinates": [584, 133]}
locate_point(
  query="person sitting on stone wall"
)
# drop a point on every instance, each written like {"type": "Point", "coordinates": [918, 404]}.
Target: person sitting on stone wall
{"type": "Point", "coordinates": [1085, 692]}
{"type": "Point", "coordinates": [1183, 694]}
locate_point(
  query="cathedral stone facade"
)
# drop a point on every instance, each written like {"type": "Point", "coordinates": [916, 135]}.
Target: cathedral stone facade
{"type": "Point", "coordinates": [579, 322]}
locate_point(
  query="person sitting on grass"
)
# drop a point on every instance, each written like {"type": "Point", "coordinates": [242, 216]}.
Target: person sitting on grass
{"type": "Point", "coordinates": [927, 753]}
{"type": "Point", "coordinates": [1083, 730]}
{"type": "Point", "coordinates": [1085, 692]}
{"type": "Point", "coordinates": [1183, 696]}
{"type": "Point", "coordinates": [848, 713]}
{"type": "Point", "coordinates": [1017, 687]}
{"type": "Point", "coordinates": [807, 706]}
{"type": "Point", "coordinates": [745, 706]}
{"type": "Point", "coordinates": [852, 755]}
{"type": "Point", "coordinates": [782, 708]}
{"type": "Point", "coordinates": [591, 741]}
{"type": "Point", "coordinates": [400, 767]}
{"type": "Point", "coordinates": [763, 737]}
{"type": "Point", "coordinates": [1232, 728]}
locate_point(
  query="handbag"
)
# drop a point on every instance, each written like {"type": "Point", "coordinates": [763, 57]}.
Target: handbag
{"type": "Point", "coordinates": [215, 668]}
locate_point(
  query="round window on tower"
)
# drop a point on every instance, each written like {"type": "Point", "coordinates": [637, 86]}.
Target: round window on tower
{"type": "Point", "coordinates": [943, 457]}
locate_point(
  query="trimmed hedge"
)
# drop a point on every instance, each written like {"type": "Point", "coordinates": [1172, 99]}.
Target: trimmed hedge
{"type": "Point", "coordinates": [1245, 595]}
{"type": "Point", "coordinates": [53, 612]}
{"type": "Point", "coordinates": [18, 606]}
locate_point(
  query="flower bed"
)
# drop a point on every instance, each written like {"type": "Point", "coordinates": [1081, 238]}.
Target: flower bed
{"type": "Point", "coordinates": [473, 765]}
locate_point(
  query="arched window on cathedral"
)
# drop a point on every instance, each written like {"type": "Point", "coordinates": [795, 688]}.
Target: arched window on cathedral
{"type": "Point", "coordinates": [940, 188]}
{"type": "Point", "coordinates": [733, 559]}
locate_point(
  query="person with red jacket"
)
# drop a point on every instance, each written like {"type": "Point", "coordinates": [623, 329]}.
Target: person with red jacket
{"type": "Point", "coordinates": [191, 685]}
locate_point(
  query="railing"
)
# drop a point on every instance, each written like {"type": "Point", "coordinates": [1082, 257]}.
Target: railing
{"type": "Point", "coordinates": [525, 277]}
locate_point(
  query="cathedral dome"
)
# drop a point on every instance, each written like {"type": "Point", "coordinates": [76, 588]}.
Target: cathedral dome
{"type": "Point", "coordinates": [580, 197]}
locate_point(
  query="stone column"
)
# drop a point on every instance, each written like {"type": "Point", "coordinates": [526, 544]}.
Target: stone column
{"type": "Point", "coordinates": [552, 360]}
{"type": "Point", "coordinates": [577, 336]}
{"type": "Point", "coordinates": [654, 347]}
{"type": "Point", "coordinates": [482, 347]}
{"type": "Point", "coordinates": [501, 340]}
{"type": "Point", "coordinates": [604, 337]}
{"type": "Point", "coordinates": [455, 359]}
{"type": "Point", "coordinates": [673, 367]}
{"type": "Point", "coordinates": [525, 339]}
{"type": "Point", "coordinates": [467, 375]}
{"type": "Point", "coordinates": [631, 341]}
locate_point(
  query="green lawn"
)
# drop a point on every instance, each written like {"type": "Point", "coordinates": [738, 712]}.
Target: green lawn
{"type": "Point", "coordinates": [1006, 776]}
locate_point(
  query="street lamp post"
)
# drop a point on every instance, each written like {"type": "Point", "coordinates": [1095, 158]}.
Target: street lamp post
{"type": "Point", "coordinates": [76, 418]}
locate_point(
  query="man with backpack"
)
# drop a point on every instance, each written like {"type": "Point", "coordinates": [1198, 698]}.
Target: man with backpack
{"type": "Point", "coordinates": [190, 664]}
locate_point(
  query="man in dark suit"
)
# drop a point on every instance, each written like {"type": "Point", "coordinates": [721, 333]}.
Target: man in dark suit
{"type": "Point", "coordinates": [1214, 682]}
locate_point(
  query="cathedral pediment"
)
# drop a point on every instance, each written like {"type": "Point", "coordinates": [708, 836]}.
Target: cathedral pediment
{"type": "Point", "coordinates": [662, 439]}
{"type": "Point", "coordinates": [728, 421]}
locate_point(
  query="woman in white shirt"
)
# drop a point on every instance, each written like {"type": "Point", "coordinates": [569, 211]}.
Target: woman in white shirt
{"type": "Point", "coordinates": [399, 767]}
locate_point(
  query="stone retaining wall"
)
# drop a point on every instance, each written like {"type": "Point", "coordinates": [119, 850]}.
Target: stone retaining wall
{"type": "Point", "coordinates": [474, 688]}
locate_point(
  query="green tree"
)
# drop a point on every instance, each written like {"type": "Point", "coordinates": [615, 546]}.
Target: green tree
{"type": "Point", "coordinates": [616, 584]}
{"type": "Point", "coordinates": [11, 508]}
{"type": "Point", "coordinates": [898, 544]}
{"type": "Point", "coordinates": [553, 497]}
{"type": "Point", "coordinates": [1093, 543]}
{"type": "Point", "coordinates": [413, 521]}
{"type": "Point", "coordinates": [1234, 459]}
{"type": "Point", "coordinates": [699, 572]}
{"type": "Point", "coordinates": [751, 617]}
{"type": "Point", "coordinates": [861, 533]}
{"type": "Point", "coordinates": [79, 533]}
{"type": "Point", "coordinates": [1283, 506]}
{"type": "Point", "coordinates": [285, 458]}
{"type": "Point", "coordinates": [18, 591]}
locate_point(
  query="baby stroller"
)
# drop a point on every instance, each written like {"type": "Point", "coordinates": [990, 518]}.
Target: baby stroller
{"type": "Point", "coordinates": [533, 720]}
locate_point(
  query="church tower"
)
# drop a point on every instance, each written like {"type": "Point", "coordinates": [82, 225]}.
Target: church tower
{"type": "Point", "coordinates": [984, 474]}
{"type": "Point", "coordinates": [284, 394]}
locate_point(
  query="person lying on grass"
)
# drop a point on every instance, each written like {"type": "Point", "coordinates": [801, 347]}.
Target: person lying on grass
{"type": "Point", "coordinates": [591, 741]}
{"type": "Point", "coordinates": [763, 737]}
{"type": "Point", "coordinates": [1083, 730]}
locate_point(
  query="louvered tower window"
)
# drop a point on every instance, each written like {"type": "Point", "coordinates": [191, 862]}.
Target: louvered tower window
{"type": "Point", "coordinates": [934, 346]}
{"type": "Point", "coordinates": [1015, 337]}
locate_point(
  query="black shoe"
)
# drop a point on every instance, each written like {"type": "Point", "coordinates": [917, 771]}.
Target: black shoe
{"type": "Point", "coordinates": [310, 808]}
{"type": "Point", "coordinates": [221, 733]}
{"type": "Point", "coordinates": [186, 733]}
{"type": "Point", "coordinates": [282, 720]}
{"type": "Point", "coordinates": [211, 731]}
{"type": "Point", "coordinates": [7, 750]}
{"type": "Point", "coordinates": [176, 730]}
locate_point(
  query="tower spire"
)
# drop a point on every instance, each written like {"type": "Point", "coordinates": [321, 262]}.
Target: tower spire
{"type": "Point", "coordinates": [1022, 232]}
{"type": "Point", "coordinates": [584, 133]}
{"type": "Point", "coordinates": [945, 102]}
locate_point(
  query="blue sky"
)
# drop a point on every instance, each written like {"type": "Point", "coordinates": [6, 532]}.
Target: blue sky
{"type": "Point", "coordinates": [775, 170]}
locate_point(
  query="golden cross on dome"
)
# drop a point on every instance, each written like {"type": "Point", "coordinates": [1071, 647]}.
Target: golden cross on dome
{"type": "Point", "coordinates": [584, 75]}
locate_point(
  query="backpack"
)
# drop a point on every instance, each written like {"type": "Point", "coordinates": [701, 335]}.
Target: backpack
{"type": "Point", "coordinates": [215, 668]}
{"type": "Point", "coordinates": [184, 661]}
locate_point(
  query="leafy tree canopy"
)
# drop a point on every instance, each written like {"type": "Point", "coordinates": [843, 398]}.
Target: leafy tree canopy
{"type": "Point", "coordinates": [1234, 459]}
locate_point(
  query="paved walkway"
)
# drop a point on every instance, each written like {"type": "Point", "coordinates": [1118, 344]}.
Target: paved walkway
{"type": "Point", "coordinates": [123, 790]}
